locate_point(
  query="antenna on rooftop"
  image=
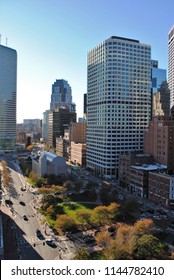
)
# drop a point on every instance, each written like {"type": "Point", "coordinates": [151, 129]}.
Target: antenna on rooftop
{"type": "Point", "coordinates": [6, 41]}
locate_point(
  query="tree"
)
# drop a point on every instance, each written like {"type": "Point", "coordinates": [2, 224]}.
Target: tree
{"type": "Point", "coordinates": [51, 212]}
{"type": "Point", "coordinates": [130, 206]}
{"type": "Point", "coordinates": [5, 174]}
{"type": "Point", "coordinates": [148, 247]}
{"type": "Point", "coordinates": [114, 210]}
{"type": "Point", "coordinates": [84, 217]}
{"type": "Point", "coordinates": [101, 215]}
{"type": "Point", "coordinates": [116, 251]}
{"type": "Point", "coordinates": [65, 223]}
{"type": "Point", "coordinates": [36, 180]}
{"type": "Point", "coordinates": [47, 200]}
{"type": "Point", "coordinates": [145, 226]}
{"type": "Point", "coordinates": [82, 254]}
{"type": "Point", "coordinates": [103, 239]}
{"type": "Point", "coordinates": [126, 237]}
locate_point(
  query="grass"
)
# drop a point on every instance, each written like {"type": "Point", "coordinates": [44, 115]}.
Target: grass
{"type": "Point", "coordinates": [71, 208]}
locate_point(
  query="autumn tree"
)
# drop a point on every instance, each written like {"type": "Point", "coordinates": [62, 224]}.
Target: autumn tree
{"type": "Point", "coordinates": [101, 215]}
{"type": "Point", "coordinates": [145, 226]}
{"type": "Point", "coordinates": [36, 180]}
{"type": "Point", "coordinates": [47, 200]}
{"type": "Point", "coordinates": [5, 174]}
{"type": "Point", "coordinates": [51, 212]}
{"type": "Point", "coordinates": [84, 217]}
{"type": "Point", "coordinates": [103, 239]}
{"type": "Point", "coordinates": [116, 251]}
{"type": "Point", "coordinates": [126, 238]}
{"type": "Point", "coordinates": [65, 223]}
{"type": "Point", "coordinates": [114, 210]}
{"type": "Point", "coordinates": [82, 254]}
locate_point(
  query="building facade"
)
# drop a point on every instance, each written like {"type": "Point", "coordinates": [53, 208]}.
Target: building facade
{"type": "Point", "coordinates": [45, 125]}
{"type": "Point", "coordinates": [59, 121]}
{"type": "Point", "coordinates": [78, 132]}
{"type": "Point", "coordinates": [118, 101]}
{"type": "Point", "coordinates": [126, 161]}
{"type": "Point", "coordinates": [139, 178]}
{"type": "Point", "coordinates": [161, 189]}
{"type": "Point", "coordinates": [61, 96]}
{"type": "Point", "coordinates": [78, 153]}
{"type": "Point", "coordinates": [8, 81]}
{"type": "Point", "coordinates": [171, 64]}
{"type": "Point", "coordinates": [49, 163]}
{"type": "Point", "coordinates": [161, 101]}
{"type": "Point", "coordinates": [159, 140]}
{"type": "Point", "coordinates": [158, 76]}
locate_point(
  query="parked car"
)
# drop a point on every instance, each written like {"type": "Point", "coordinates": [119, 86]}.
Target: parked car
{"type": "Point", "coordinates": [51, 243]}
{"type": "Point", "coordinates": [24, 217]}
{"type": "Point", "coordinates": [8, 202]}
{"type": "Point", "coordinates": [22, 203]}
{"type": "Point", "coordinates": [39, 234]}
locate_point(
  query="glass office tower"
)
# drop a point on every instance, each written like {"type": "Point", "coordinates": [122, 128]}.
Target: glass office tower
{"type": "Point", "coordinates": [171, 64]}
{"type": "Point", "coordinates": [8, 77]}
{"type": "Point", "coordinates": [61, 96]}
{"type": "Point", "coordinates": [118, 101]}
{"type": "Point", "coordinates": [158, 76]}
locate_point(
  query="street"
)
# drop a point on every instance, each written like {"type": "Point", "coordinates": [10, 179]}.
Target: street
{"type": "Point", "coordinates": [27, 220]}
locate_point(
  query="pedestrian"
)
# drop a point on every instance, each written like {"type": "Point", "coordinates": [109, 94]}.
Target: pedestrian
{"type": "Point", "coordinates": [60, 254]}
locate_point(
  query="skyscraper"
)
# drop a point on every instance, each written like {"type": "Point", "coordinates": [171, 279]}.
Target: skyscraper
{"type": "Point", "coordinates": [8, 78]}
{"type": "Point", "coordinates": [171, 64]}
{"type": "Point", "coordinates": [58, 121]}
{"type": "Point", "coordinates": [118, 101]}
{"type": "Point", "coordinates": [158, 76]}
{"type": "Point", "coordinates": [61, 96]}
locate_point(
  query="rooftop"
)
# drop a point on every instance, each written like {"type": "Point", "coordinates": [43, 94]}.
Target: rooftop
{"type": "Point", "coordinates": [150, 167]}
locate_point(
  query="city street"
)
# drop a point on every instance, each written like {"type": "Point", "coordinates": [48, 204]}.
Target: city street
{"type": "Point", "coordinates": [26, 220]}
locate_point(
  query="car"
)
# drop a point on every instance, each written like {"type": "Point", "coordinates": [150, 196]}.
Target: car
{"type": "Point", "coordinates": [39, 234]}
{"type": "Point", "coordinates": [23, 189]}
{"type": "Point", "coordinates": [51, 243]}
{"type": "Point", "coordinates": [157, 217]}
{"type": "Point", "coordinates": [22, 203]}
{"type": "Point", "coordinates": [8, 202]}
{"type": "Point", "coordinates": [24, 217]}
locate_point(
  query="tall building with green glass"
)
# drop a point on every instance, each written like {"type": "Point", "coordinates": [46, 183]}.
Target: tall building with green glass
{"type": "Point", "coordinates": [8, 81]}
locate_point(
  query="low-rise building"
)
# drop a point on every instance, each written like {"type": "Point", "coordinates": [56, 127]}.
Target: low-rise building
{"type": "Point", "coordinates": [125, 162]}
{"type": "Point", "coordinates": [78, 153]}
{"type": "Point", "coordinates": [139, 176]}
{"type": "Point", "coordinates": [49, 163]}
{"type": "Point", "coordinates": [161, 189]}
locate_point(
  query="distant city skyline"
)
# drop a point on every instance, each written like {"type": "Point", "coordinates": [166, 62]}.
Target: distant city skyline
{"type": "Point", "coordinates": [53, 37]}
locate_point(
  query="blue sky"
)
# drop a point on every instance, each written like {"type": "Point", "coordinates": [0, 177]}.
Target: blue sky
{"type": "Point", "coordinates": [52, 38]}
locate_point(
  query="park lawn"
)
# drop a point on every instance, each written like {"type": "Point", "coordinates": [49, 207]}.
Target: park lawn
{"type": "Point", "coordinates": [71, 208]}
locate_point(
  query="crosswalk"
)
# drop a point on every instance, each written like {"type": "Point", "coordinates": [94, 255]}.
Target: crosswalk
{"type": "Point", "coordinates": [29, 240]}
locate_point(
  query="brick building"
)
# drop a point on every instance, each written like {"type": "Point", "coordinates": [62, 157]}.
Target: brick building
{"type": "Point", "coordinates": [159, 140]}
{"type": "Point", "coordinates": [161, 189]}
